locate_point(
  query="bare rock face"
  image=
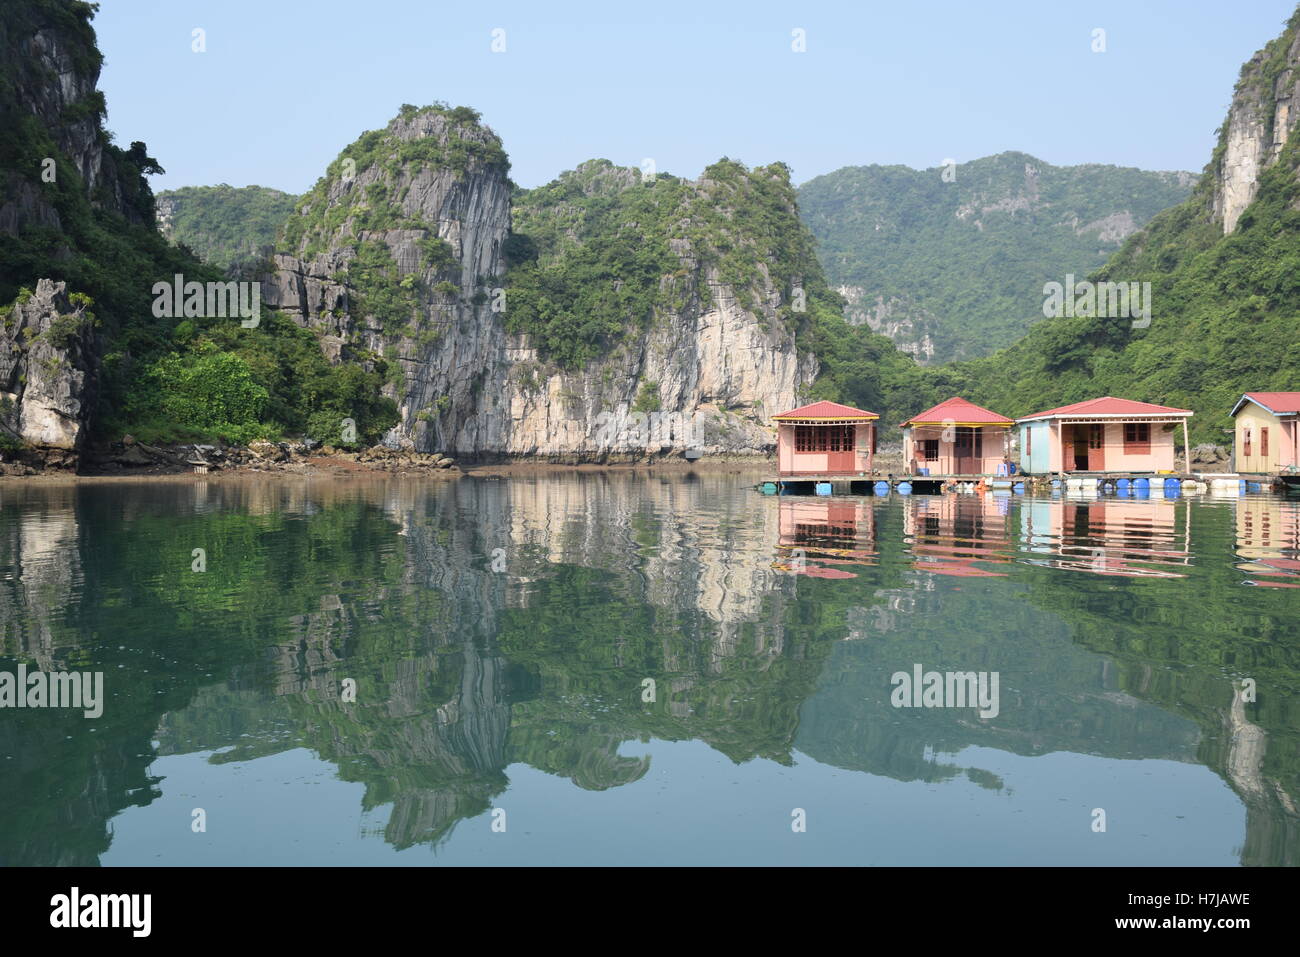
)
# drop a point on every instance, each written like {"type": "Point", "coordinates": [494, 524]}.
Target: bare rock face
{"type": "Point", "coordinates": [1265, 109]}
{"type": "Point", "coordinates": [910, 327]}
{"type": "Point", "coordinates": [431, 198]}
{"type": "Point", "coordinates": [49, 369]}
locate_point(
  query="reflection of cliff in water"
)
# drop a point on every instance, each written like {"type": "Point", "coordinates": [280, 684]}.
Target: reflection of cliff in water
{"type": "Point", "coordinates": [393, 585]}
{"type": "Point", "coordinates": [489, 622]}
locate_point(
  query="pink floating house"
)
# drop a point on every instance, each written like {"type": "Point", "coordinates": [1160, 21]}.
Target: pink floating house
{"type": "Point", "coordinates": [1102, 435]}
{"type": "Point", "coordinates": [825, 438]}
{"type": "Point", "coordinates": [956, 437]}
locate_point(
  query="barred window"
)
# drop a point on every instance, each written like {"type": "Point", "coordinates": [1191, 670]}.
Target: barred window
{"type": "Point", "coordinates": [823, 438]}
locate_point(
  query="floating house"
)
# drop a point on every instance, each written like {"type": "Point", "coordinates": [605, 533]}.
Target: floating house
{"type": "Point", "coordinates": [1267, 438]}
{"type": "Point", "coordinates": [825, 439]}
{"type": "Point", "coordinates": [956, 437]}
{"type": "Point", "coordinates": [1106, 435]}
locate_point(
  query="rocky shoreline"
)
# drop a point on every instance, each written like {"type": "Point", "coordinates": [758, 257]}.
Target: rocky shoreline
{"type": "Point", "coordinates": [130, 457]}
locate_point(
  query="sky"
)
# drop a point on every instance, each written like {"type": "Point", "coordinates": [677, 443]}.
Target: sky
{"type": "Point", "coordinates": [283, 85]}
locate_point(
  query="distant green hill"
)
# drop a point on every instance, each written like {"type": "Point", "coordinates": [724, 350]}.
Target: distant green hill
{"type": "Point", "coordinates": [223, 225]}
{"type": "Point", "coordinates": [1224, 268]}
{"type": "Point", "coordinates": [950, 262]}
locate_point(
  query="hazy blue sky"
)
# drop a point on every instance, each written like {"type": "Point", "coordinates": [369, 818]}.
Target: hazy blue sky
{"type": "Point", "coordinates": [284, 85]}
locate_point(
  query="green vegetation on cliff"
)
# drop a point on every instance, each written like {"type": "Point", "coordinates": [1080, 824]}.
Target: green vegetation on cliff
{"type": "Point", "coordinates": [599, 253]}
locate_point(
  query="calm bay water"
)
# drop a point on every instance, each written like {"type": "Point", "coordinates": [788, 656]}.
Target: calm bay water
{"type": "Point", "coordinates": [503, 634]}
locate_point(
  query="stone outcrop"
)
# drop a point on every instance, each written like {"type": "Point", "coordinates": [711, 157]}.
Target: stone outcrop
{"type": "Point", "coordinates": [49, 369]}
{"type": "Point", "coordinates": [466, 385]}
{"type": "Point", "coordinates": [1265, 109]}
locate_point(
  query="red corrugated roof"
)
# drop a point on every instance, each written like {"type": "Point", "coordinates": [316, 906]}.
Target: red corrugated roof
{"type": "Point", "coordinates": [1108, 405]}
{"type": "Point", "coordinates": [959, 411]}
{"type": "Point", "coordinates": [826, 410]}
{"type": "Point", "coordinates": [1274, 401]}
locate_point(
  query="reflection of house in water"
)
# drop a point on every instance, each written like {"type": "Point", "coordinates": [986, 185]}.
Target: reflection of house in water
{"type": "Point", "coordinates": [1268, 538]}
{"type": "Point", "coordinates": [819, 538]}
{"type": "Point", "coordinates": [948, 534]}
{"type": "Point", "coordinates": [1126, 537]}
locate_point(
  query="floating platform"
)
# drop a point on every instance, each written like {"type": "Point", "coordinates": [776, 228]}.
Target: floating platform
{"type": "Point", "coordinates": [1121, 484]}
{"type": "Point", "coordinates": [884, 484]}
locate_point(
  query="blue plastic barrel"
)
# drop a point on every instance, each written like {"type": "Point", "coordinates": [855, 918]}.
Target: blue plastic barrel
{"type": "Point", "coordinates": [1018, 487]}
{"type": "Point", "coordinates": [904, 488]}
{"type": "Point", "coordinates": [1142, 486]}
{"type": "Point", "coordinates": [768, 488]}
{"type": "Point", "coordinates": [822, 488]}
{"type": "Point", "coordinates": [1122, 485]}
{"type": "Point", "coordinates": [881, 488]}
{"type": "Point", "coordinates": [1172, 487]}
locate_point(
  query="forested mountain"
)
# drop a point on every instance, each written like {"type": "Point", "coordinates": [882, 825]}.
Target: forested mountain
{"type": "Point", "coordinates": [1224, 268]}
{"type": "Point", "coordinates": [224, 225]}
{"type": "Point", "coordinates": [950, 262]}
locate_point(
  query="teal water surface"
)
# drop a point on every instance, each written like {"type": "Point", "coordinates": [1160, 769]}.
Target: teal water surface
{"type": "Point", "coordinates": [640, 668]}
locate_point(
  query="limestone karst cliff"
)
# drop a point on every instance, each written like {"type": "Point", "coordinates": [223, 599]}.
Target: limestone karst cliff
{"type": "Point", "coordinates": [400, 251]}
{"type": "Point", "coordinates": [1265, 109]}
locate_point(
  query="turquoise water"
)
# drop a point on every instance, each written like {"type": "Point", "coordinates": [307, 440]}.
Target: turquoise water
{"type": "Point", "coordinates": [627, 668]}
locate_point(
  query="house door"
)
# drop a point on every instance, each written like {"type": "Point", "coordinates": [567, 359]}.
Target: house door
{"type": "Point", "coordinates": [1096, 447]}
{"type": "Point", "coordinates": [1079, 448]}
{"type": "Point", "coordinates": [839, 448]}
{"type": "Point", "coordinates": [969, 451]}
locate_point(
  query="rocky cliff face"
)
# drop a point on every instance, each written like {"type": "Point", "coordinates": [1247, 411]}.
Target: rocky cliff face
{"type": "Point", "coordinates": [399, 252]}
{"type": "Point", "coordinates": [910, 328]}
{"type": "Point", "coordinates": [1265, 109]}
{"type": "Point", "coordinates": [49, 366]}
{"type": "Point", "coordinates": [52, 71]}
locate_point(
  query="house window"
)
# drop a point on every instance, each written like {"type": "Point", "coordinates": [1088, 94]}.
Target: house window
{"type": "Point", "coordinates": [1137, 437]}
{"type": "Point", "coordinates": [1096, 434]}
{"type": "Point", "coordinates": [930, 448]}
{"type": "Point", "coordinates": [823, 438]}
{"type": "Point", "coordinates": [839, 438]}
{"type": "Point", "coordinates": [1263, 441]}
{"type": "Point", "coordinates": [1245, 441]}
